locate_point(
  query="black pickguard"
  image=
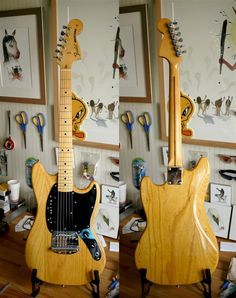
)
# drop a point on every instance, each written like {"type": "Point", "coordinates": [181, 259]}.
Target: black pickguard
{"type": "Point", "coordinates": [71, 211]}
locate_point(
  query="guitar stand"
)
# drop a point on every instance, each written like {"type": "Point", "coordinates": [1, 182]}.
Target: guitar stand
{"type": "Point", "coordinates": [36, 283]}
{"type": "Point", "coordinates": [145, 283]}
{"type": "Point", "coordinates": [95, 284]}
{"type": "Point", "coordinates": [206, 283]}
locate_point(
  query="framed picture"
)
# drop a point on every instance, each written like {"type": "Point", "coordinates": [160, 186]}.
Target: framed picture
{"type": "Point", "coordinates": [107, 221]}
{"type": "Point", "coordinates": [165, 154]}
{"type": "Point", "coordinates": [232, 233]}
{"type": "Point", "coordinates": [3, 162]}
{"type": "Point", "coordinates": [22, 77]}
{"type": "Point", "coordinates": [219, 217]}
{"type": "Point", "coordinates": [92, 76]}
{"type": "Point", "coordinates": [206, 73]}
{"type": "Point", "coordinates": [194, 157]}
{"type": "Point", "coordinates": [220, 194]}
{"type": "Point", "coordinates": [110, 195]}
{"type": "Point", "coordinates": [135, 81]}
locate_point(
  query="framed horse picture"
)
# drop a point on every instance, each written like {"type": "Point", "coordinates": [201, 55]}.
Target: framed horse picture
{"type": "Point", "coordinates": [22, 76]}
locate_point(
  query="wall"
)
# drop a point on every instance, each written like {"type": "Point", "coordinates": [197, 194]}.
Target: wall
{"type": "Point", "coordinates": [154, 157]}
{"type": "Point", "coordinates": [17, 157]}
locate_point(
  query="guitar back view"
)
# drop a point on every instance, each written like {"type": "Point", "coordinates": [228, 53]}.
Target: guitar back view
{"type": "Point", "coordinates": [178, 242]}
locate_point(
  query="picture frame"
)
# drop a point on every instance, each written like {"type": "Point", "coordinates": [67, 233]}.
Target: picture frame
{"type": "Point", "coordinates": [3, 162]}
{"type": "Point", "coordinates": [107, 221]}
{"type": "Point", "coordinates": [232, 233]}
{"type": "Point", "coordinates": [194, 157]}
{"type": "Point", "coordinates": [22, 73]}
{"type": "Point", "coordinates": [213, 121]}
{"type": "Point", "coordinates": [220, 194]}
{"type": "Point", "coordinates": [165, 153]}
{"type": "Point", "coordinates": [135, 74]}
{"type": "Point", "coordinates": [110, 195]}
{"type": "Point", "coordinates": [219, 218]}
{"type": "Point", "coordinates": [92, 76]}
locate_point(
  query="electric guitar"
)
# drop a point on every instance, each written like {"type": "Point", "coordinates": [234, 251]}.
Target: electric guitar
{"type": "Point", "coordinates": [178, 242]}
{"type": "Point", "coordinates": [62, 245]}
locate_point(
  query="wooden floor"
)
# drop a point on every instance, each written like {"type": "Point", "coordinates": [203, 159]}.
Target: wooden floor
{"type": "Point", "coordinates": [13, 269]}
{"type": "Point", "coordinates": [130, 278]}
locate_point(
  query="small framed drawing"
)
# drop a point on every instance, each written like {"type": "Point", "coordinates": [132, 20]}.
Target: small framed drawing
{"type": "Point", "coordinates": [110, 195]}
{"type": "Point", "coordinates": [194, 157]}
{"type": "Point", "coordinates": [107, 221]}
{"type": "Point", "coordinates": [232, 233]}
{"type": "Point", "coordinates": [134, 69]}
{"type": "Point", "coordinates": [22, 77]}
{"type": "Point", "coordinates": [219, 217]}
{"type": "Point", "coordinates": [165, 153]}
{"type": "Point", "coordinates": [220, 194]}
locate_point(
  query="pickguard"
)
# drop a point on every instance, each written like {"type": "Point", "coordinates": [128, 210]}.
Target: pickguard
{"type": "Point", "coordinates": [71, 211]}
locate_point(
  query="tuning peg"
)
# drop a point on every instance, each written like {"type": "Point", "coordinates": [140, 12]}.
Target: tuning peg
{"type": "Point", "coordinates": [172, 24]}
{"type": "Point", "coordinates": [63, 33]}
{"type": "Point", "coordinates": [62, 39]}
{"type": "Point", "coordinates": [66, 27]}
{"type": "Point", "coordinates": [56, 57]}
{"type": "Point", "coordinates": [61, 46]}
{"type": "Point", "coordinates": [57, 51]}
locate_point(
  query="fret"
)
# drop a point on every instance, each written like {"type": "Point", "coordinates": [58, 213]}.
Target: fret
{"type": "Point", "coordinates": [65, 128]}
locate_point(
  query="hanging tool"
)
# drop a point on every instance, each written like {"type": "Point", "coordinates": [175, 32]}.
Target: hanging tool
{"type": "Point", "coordinates": [9, 143]}
{"type": "Point", "coordinates": [22, 120]}
{"type": "Point", "coordinates": [128, 119]}
{"type": "Point", "coordinates": [146, 121]}
{"type": "Point", "coordinates": [39, 121]}
{"type": "Point", "coordinates": [222, 42]}
{"type": "Point", "coordinates": [116, 49]}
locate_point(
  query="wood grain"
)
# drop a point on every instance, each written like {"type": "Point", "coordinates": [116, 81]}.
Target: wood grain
{"type": "Point", "coordinates": [178, 242]}
{"type": "Point", "coordinates": [130, 277]}
{"type": "Point", "coordinates": [15, 271]}
{"type": "Point", "coordinates": [74, 269]}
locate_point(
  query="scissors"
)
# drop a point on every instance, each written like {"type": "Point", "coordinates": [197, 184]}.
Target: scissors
{"type": "Point", "coordinates": [22, 120]}
{"type": "Point", "coordinates": [128, 119]}
{"type": "Point", "coordinates": [39, 121]}
{"type": "Point", "coordinates": [146, 121]}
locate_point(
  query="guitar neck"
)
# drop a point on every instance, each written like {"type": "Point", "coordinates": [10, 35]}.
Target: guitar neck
{"type": "Point", "coordinates": [65, 154]}
{"type": "Point", "coordinates": [175, 138]}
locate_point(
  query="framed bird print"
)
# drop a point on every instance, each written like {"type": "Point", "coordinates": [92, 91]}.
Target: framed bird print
{"type": "Point", "coordinates": [220, 194]}
{"type": "Point", "coordinates": [219, 217]}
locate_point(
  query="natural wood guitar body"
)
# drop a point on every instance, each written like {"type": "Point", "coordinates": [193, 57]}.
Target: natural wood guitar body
{"type": "Point", "coordinates": [178, 242]}
{"type": "Point", "coordinates": [74, 269]}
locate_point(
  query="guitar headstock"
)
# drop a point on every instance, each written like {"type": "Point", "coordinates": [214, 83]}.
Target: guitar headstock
{"type": "Point", "coordinates": [171, 46]}
{"type": "Point", "coordinates": [69, 50]}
